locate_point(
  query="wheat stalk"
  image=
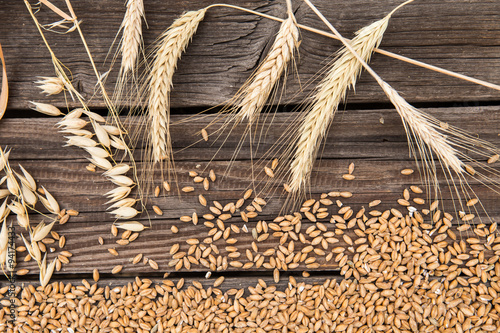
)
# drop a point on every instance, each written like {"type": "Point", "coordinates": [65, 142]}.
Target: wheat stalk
{"type": "Point", "coordinates": [330, 93]}
{"type": "Point", "coordinates": [132, 35]}
{"type": "Point", "coordinates": [170, 47]}
{"type": "Point", "coordinates": [256, 92]}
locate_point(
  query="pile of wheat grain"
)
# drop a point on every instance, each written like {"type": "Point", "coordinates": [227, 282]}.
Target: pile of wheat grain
{"type": "Point", "coordinates": [400, 273]}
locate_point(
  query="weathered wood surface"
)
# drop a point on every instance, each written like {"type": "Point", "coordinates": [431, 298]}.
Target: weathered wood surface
{"type": "Point", "coordinates": [378, 150]}
{"type": "Point", "coordinates": [459, 35]}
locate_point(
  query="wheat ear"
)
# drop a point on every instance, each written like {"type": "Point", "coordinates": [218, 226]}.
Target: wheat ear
{"type": "Point", "coordinates": [330, 93]}
{"type": "Point", "coordinates": [258, 89]}
{"type": "Point", "coordinates": [132, 35]}
{"type": "Point", "coordinates": [170, 47]}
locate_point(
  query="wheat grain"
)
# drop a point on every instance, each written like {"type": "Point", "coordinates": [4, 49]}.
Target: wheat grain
{"type": "Point", "coordinates": [331, 91]}
{"type": "Point", "coordinates": [170, 47]}
{"type": "Point", "coordinates": [117, 269]}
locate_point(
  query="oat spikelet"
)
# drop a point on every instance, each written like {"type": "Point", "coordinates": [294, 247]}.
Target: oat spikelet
{"type": "Point", "coordinates": [132, 35]}
{"type": "Point", "coordinates": [331, 91]}
{"type": "Point", "coordinates": [170, 47]}
{"type": "Point", "coordinates": [257, 91]}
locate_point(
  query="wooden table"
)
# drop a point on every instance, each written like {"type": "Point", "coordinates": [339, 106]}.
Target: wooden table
{"type": "Point", "coordinates": [461, 36]}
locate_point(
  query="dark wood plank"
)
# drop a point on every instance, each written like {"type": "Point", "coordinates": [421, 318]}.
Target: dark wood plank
{"type": "Point", "coordinates": [355, 134]}
{"type": "Point", "coordinates": [230, 44]}
{"type": "Point", "coordinates": [229, 282]}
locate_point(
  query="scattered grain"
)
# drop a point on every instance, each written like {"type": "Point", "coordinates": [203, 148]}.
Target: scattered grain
{"type": "Point", "coordinates": [407, 172]}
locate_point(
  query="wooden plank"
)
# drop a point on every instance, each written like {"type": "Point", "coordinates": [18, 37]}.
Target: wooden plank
{"type": "Point", "coordinates": [230, 45]}
{"type": "Point", "coordinates": [355, 134]}
{"type": "Point", "coordinates": [229, 282]}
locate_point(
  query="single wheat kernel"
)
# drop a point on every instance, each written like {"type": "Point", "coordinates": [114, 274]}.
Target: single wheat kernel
{"type": "Point", "coordinates": [202, 200]}
{"type": "Point", "coordinates": [72, 212]}
{"type": "Point", "coordinates": [137, 258]}
{"type": "Point", "coordinates": [133, 237]}
{"type": "Point", "coordinates": [101, 240]}
{"type": "Point", "coordinates": [206, 184]}
{"type": "Point", "coordinates": [274, 164]}
{"type": "Point", "coordinates": [193, 174]}
{"type": "Point", "coordinates": [407, 172]}
{"type": "Point", "coordinates": [468, 217]}
{"type": "Point", "coordinates": [416, 189]}
{"type": "Point", "coordinates": [23, 271]}
{"type": "Point", "coordinates": [117, 269]}
{"type": "Point", "coordinates": [157, 210]}
{"type": "Point", "coordinates": [192, 241]}
{"type": "Point", "coordinates": [348, 176]}
{"type": "Point", "coordinates": [166, 186]}
{"type": "Point", "coordinates": [187, 189]}
{"type": "Point", "coordinates": [403, 202]}
{"type": "Point", "coordinates": [153, 264]}
{"type": "Point", "coordinates": [204, 134]}
{"type": "Point", "coordinates": [218, 281]}
{"type": "Point", "coordinates": [113, 251]}
{"type": "Point", "coordinates": [114, 230]}
{"type": "Point", "coordinates": [247, 194]}
{"type": "Point", "coordinates": [419, 201]}
{"type": "Point", "coordinates": [212, 175]}
{"type": "Point", "coordinates": [406, 194]}
{"type": "Point", "coordinates": [351, 168]}
{"type": "Point", "coordinates": [269, 172]}
{"type": "Point", "coordinates": [472, 202]}
{"type": "Point", "coordinates": [62, 241]}
{"type": "Point", "coordinates": [126, 234]}
{"type": "Point", "coordinates": [493, 159]}
{"type": "Point", "coordinates": [157, 191]}
{"type": "Point", "coordinates": [64, 219]}
{"type": "Point", "coordinates": [374, 203]}
{"type": "Point", "coordinates": [470, 170]}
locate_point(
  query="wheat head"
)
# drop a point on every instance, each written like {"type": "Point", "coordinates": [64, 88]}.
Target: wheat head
{"type": "Point", "coordinates": [170, 47]}
{"type": "Point", "coordinates": [132, 35]}
{"type": "Point", "coordinates": [330, 93]}
{"type": "Point", "coordinates": [257, 91]}
{"type": "Point", "coordinates": [420, 126]}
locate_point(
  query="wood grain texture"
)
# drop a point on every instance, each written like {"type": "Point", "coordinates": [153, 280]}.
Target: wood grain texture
{"type": "Point", "coordinates": [459, 35]}
{"type": "Point", "coordinates": [379, 152]}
